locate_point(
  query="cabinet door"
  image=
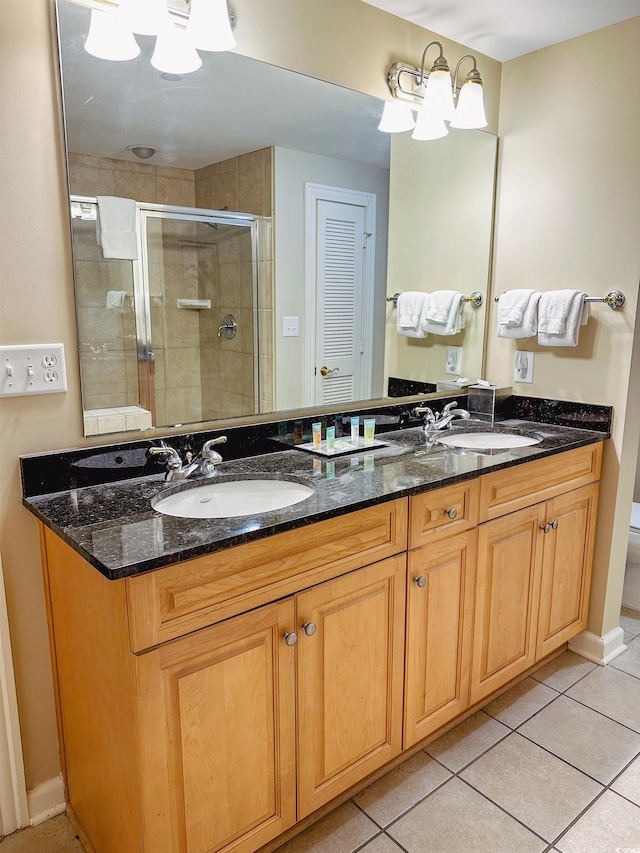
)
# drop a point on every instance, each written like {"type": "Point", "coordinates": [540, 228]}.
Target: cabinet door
{"type": "Point", "coordinates": [507, 592]}
{"type": "Point", "coordinates": [440, 589]}
{"type": "Point", "coordinates": [216, 720]}
{"type": "Point", "coordinates": [349, 685]}
{"type": "Point", "coordinates": [566, 567]}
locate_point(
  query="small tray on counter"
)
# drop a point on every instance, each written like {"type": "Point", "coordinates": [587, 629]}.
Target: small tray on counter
{"type": "Point", "coordinates": [342, 446]}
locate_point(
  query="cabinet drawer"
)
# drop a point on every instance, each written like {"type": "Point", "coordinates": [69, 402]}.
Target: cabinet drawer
{"type": "Point", "coordinates": [178, 599]}
{"type": "Point", "coordinates": [524, 485]}
{"type": "Point", "coordinates": [443, 512]}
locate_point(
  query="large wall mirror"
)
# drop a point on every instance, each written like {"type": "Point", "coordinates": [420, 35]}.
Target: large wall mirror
{"type": "Point", "coordinates": [266, 221]}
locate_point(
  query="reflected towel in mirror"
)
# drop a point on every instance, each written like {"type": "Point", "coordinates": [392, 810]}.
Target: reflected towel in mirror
{"type": "Point", "coordinates": [445, 313]}
{"type": "Point", "coordinates": [518, 313]}
{"type": "Point", "coordinates": [409, 308]}
{"type": "Point", "coordinates": [117, 301]}
{"type": "Point", "coordinates": [116, 227]}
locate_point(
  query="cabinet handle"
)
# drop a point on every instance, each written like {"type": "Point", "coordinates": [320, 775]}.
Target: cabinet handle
{"type": "Point", "coordinates": [290, 638]}
{"type": "Point", "coordinates": [549, 526]}
{"type": "Point", "coordinates": [452, 513]}
{"type": "Point", "coordinates": [309, 628]}
{"type": "Point", "coordinates": [421, 581]}
{"type": "Point", "coordinates": [554, 524]}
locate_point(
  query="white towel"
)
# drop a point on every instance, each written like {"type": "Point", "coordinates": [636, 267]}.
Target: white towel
{"type": "Point", "coordinates": [409, 308]}
{"type": "Point", "coordinates": [445, 313]}
{"type": "Point", "coordinates": [560, 315]}
{"type": "Point", "coordinates": [116, 227]}
{"type": "Point", "coordinates": [117, 301]}
{"type": "Point", "coordinates": [518, 313]}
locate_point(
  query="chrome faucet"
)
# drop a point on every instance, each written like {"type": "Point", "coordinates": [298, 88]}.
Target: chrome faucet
{"type": "Point", "coordinates": [202, 466]}
{"type": "Point", "coordinates": [433, 423]}
{"type": "Point", "coordinates": [174, 462]}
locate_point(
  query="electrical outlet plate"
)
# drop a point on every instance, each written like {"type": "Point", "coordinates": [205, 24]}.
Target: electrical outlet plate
{"type": "Point", "coordinates": [453, 363]}
{"type": "Point", "coordinates": [523, 368]}
{"type": "Point", "coordinates": [28, 369]}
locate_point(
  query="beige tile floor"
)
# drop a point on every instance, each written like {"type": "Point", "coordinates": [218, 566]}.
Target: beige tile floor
{"type": "Point", "coordinates": [553, 766]}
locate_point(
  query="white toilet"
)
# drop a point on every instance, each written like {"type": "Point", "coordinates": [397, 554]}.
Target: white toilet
{"type": "Point", "coordinates": [631, 592]}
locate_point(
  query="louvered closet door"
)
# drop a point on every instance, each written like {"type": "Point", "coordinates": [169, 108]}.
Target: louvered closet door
{"type": "Point", "coordinates": [340, 283]}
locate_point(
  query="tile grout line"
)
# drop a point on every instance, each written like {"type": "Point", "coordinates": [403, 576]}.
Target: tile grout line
{"type": "Point", "coordinates": [456, 773]}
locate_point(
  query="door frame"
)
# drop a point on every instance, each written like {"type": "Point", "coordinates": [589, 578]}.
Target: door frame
{"type": "Point", "coordinates": [14, 807]}
{"type": "Point", "coordinates": [313, 194]}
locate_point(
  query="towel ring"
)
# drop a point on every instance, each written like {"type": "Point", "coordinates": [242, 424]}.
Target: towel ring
{"type": "Point", "coordinates": [615, 299]}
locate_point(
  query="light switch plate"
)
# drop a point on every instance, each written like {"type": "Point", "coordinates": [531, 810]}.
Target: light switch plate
{"type": "Point", "coordinates": [27, 369]}
{"type": "Point", "coordinates": [290, 327]}
{"type": "Point", "coordinates": [523, 368]}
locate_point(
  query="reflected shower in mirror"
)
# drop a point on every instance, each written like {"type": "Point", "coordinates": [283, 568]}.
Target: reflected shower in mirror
{"type": "Point", "coordinates": [303, 163]}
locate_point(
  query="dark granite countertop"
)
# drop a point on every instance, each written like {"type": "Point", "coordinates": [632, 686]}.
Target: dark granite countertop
{"type": "Point", "coordinates": [114, 527]}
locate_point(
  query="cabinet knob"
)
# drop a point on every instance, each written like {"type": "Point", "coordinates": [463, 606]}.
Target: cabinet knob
{"type": "Point", "coordinates": [452, 513]}
{"type": "Point", "coordinates": [548, 527]}
{"type": "Point", "coordinates": [421, 581]}
{"type": "Point", "coordinates": [309, 628]}
{"type": "Point", "coordinates": [554, 524]}
{"type": "Point", "coordinates": [290, 638]}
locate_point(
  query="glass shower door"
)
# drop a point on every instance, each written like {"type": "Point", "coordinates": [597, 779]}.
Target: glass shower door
{"type": "Point", "coordinates": [197, 316]}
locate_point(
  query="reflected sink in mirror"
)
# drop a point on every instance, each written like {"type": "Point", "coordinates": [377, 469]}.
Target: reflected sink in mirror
{"type": "Point", "coordinates": [480, 441]}
{"type": "Point", "coordinates": [230, 498]}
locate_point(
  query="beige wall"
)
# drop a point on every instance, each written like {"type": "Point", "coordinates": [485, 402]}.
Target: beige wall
{"type": "Point", "coordinates": [569, 216]}
{"type": "Point", "coordinates": [440, 220]}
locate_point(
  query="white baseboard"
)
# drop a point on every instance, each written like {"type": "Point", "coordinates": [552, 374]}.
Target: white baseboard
{"type": "Point", "coordinates": [46, 800]}
{"type": "Point", "coordinates": [601, 650]}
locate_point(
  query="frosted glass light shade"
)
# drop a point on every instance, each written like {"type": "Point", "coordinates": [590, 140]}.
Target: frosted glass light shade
{"type": "Point", "coordinates": [470, 110]}
{"type": "Point", "coordinates": [109, 37]}
{"type": "Point", "coordinates": [438, 96]}
{"type": "Point", "coordinates": [174, 52]}
{"type": "Point", "coordinates": [209, 27]}
{"type": "Point", "coordinates": [145, 17]}
{"type": "Point", "coordinates": [396, 118]}
{"type": "Point", "coordinates": [429, 126]}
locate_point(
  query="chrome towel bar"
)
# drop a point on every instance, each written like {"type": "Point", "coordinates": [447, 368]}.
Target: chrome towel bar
{"type": "Point", "coordinates": [615, 299]}
{"type": "Point", "coordinates": [475, 299]}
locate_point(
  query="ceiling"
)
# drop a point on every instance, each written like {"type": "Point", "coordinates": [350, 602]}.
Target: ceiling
{"type": "Point", "coordinates": [230, 106]}
{"type": "Point", "coordinates": [504, 29]}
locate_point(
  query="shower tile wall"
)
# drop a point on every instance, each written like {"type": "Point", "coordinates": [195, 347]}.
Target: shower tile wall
{"type": "Point", "coordinates": [173, 275]}
{"type": "Point", "coordinates": [228, 365]}
{"type": "Point", "coordinates": [244, 183]}
{"type": "Point", "coordinates": [107, 340]}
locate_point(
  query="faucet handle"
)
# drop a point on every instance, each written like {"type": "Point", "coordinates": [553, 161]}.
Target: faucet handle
{"type": "Point", "coordinates": [173, 457]}
{"type": "Point", "coordinates": [207, 448]}
{"type": "Point", "coordinates": [452, 405]}
{"type": "Point", "coordinates": [429, 417]}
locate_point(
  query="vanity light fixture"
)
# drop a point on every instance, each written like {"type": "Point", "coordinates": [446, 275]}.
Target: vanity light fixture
{"type": "Point", "coordinates": [181, 27]}
{"type": "Point", "coordinates": [433, 95]}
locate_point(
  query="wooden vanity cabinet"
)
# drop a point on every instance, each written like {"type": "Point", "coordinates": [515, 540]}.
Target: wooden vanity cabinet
{"type": "Point", "coordinates": [534, 564]}
{"type": "Point", "coordinates": [440, 591]}
{"type": "Point", "coordinates": [218, 711]}
{"type": "Point", "coordinates": [216, 717]}
{"type": "Point", "coordinates": [218, 739]}
{"type": "Point", "coordinates": [350, 654]}
{"type": "Point", "coordinates": [207, 706]}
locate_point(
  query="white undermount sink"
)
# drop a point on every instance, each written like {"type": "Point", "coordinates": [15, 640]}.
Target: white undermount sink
{"type": "Point", "coordinates": [230, 498]}
{"type": "Point", "coordinates": [488, 440]}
